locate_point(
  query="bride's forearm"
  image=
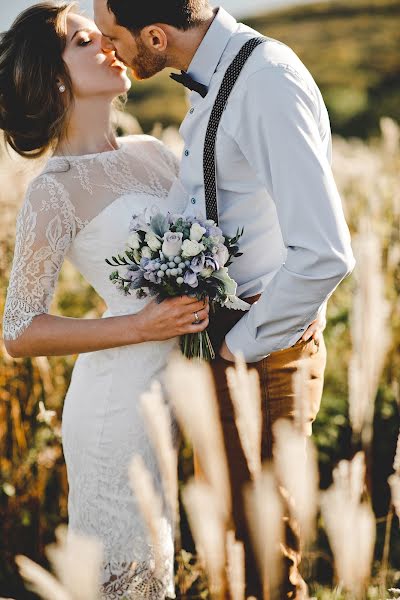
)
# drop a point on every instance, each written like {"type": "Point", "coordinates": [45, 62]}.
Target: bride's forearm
{"type": "Point", "coordinates": [50, 335]}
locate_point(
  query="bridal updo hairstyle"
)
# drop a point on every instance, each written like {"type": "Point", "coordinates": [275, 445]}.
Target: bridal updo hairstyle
{"type": "Point", "coordinates": [182, 14]}
{"type": "Point", "coordinates": [33, 111]}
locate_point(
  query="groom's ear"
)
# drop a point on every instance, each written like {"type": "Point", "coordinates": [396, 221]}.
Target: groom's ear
{"type": "Point", "coordinates": [155, 37]}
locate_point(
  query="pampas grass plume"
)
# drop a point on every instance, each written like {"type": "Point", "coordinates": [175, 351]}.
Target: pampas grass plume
{"type": "Point", "coordinates": [235, 567]}
{"type": "Point", "coordinates": [207, 523]}
{"type": "Point", "coordinates": [159, 426]}
{"type": "Point", "coordinates": [191, 392]}
{"type": "Point", "coordinates": [244, 388]}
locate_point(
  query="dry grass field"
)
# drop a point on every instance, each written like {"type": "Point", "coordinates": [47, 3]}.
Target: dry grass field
{"type": "Point", "coordinates": [349, 520]}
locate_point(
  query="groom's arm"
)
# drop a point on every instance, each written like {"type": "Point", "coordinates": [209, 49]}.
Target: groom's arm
{"type": "Point", "coordinates": [278, 133]}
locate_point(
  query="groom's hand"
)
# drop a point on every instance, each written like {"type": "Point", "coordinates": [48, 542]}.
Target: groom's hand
{"type": "Point", "coordinates": [317, 327]}
{"type": "Point", "coordinates": [226, 353]}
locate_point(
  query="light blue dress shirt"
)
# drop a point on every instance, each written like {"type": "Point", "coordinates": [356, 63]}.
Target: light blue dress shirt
{"type": "Point", "coordinates": [274, 178]}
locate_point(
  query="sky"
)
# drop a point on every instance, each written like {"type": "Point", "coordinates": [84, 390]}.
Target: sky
{"type": "Point", "coordinates": [239, 8]}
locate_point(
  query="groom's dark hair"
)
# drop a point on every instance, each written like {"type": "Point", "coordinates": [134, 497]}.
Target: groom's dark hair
{"type": "Point", "coordinates": [182, 14]}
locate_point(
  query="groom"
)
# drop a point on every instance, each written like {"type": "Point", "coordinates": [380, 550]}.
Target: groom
{"type": "Point", "coordinates": [274, 178]}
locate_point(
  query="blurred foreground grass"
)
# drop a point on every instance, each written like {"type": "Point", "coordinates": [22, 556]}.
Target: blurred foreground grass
{"type": "Point", "coordinates": [33, 486]}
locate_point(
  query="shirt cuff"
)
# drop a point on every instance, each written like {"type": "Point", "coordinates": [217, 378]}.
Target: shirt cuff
{"type": "Point", "coordinates": [239, 339]}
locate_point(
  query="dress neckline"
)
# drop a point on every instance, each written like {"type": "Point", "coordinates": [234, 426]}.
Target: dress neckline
{"type": "Point", "coordinates": [75, 157]}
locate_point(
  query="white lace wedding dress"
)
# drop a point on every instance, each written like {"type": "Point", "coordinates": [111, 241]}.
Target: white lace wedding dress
{"type": "Point", "coordinates": [79, 208]}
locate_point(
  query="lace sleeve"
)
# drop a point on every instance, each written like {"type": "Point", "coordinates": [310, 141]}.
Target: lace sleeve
{"type": "Point", "coordinates": [46, 226]}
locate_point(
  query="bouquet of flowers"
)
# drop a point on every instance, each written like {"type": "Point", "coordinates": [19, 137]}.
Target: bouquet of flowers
{"type": "Point", "coordinates": [174, 255]}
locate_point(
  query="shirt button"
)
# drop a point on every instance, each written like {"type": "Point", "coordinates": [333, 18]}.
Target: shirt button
{"type": "Point", "coordinates": [191, 111]}
{"type": "Point", "coordinates": [193, 201]}
{"type": "Point", "coordinates": [187, 152]}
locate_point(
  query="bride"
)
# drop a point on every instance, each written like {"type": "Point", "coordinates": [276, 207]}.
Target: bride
{"type": "Point", "coordinates": [57, 88]}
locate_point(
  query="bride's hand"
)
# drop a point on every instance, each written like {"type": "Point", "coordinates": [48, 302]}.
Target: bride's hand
{"type": "Point", "coordinates": [173, 317]}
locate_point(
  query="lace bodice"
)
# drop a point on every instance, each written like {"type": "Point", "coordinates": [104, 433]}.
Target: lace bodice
{"type": "Point", "coordinates": [79, 208]}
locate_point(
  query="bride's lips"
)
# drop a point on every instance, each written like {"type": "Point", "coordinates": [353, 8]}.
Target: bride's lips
{"type": "Point", "coordinates": [116, 64]}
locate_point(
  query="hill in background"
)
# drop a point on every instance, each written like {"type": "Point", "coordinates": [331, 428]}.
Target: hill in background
{"type": "Point", "coordinates": [352, 50]}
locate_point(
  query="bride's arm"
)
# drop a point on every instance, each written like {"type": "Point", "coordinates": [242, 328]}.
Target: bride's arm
{"type": "Point", "coordinates": [49, 335]}
{"type": "Point", "coordinates": [46, 227]}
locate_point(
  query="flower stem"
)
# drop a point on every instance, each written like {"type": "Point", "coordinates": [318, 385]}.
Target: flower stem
{"type": "Point", "coordinates": [197, 345]}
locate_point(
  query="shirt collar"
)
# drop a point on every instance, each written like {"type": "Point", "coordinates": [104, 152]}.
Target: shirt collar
{"type": "Point", "coordinates": [209, 53]}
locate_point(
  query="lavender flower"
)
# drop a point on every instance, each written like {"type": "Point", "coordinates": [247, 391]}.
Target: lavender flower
{"type": "Point", "coordinates": [213, 231]}
{"type": "Point", "coordinates": [152, 277]}
{"type": "Point", "coordinates": [144, 262]}
{"type": "Point", "coordinates": [190, 279]}
{"type": "Point", "coordinates": [132, 274]}
{"type": "Point", "coordinates": [197, 264]}
{"type": "Point", "coordinates": [211, 262]}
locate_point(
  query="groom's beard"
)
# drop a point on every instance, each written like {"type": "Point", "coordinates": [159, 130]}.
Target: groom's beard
{"type": "Point", "coordinates": [145, 64]}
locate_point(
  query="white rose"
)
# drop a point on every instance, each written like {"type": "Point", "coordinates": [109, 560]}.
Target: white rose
{"type": "Point", "coordinates": [134, 241]}
{"type": "Point", "coordinates": [172, 244]}
{"type": "Point", "coordinates": [146, 252]}
{"type": "Point", "coordinates": [191, 248]}
{"type": "Point", "coordinates": [152, 241]}
{"type": "Point", "coordinates": [222, 255]}
{"type": "Point", "coordinates": [197, 232]}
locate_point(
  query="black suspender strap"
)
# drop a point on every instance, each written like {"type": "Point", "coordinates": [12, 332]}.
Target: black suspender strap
{"type": "Point", "coordinates": [209, 163]}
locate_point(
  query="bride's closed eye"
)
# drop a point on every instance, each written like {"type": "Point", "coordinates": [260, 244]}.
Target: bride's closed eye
{"type": "Point", "coordinates": [84, 42]}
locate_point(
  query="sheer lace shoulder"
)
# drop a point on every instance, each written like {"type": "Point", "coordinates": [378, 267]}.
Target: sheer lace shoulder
{"type": "Point", "coordinates": [166, 154]}
{"type": "Point", "coordinates": [46, 227]}
{"type": "Point", "coordinates": [155, 149]}
{"type": "Point", "coordinates": [61, 201]}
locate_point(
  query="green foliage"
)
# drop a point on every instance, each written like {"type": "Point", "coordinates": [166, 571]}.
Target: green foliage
{"type": "Point", "coordinates": [351, 49]}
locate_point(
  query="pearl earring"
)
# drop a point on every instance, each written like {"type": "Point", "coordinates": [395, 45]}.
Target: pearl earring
{"type": "Point", "coordinates": [62, 88]}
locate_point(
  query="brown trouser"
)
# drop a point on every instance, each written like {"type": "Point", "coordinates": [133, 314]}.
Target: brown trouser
{"type": "Point", "coordinates": [276, 372]}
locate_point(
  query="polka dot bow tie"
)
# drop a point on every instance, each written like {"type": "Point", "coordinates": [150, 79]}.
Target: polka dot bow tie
{"type": "Point", "coordinates": [188, 81]}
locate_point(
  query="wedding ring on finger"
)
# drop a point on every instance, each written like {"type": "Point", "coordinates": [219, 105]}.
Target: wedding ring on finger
{"type": "Point", "coordinates": [196, 318]}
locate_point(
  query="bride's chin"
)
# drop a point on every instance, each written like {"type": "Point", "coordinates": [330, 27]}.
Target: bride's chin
{"type": "Point", "coordinates": [126, 82]}
{"type": "Point", "coordinates": [128, 85]}
{"type": "Point", "coordinates": [125, 86]}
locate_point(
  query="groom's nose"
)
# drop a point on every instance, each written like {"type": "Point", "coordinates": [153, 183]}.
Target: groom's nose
{"type": "Point", "coordinates": [106, 44]}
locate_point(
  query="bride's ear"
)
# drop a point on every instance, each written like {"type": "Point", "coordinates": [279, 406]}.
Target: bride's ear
{"type": "Point", "coordinates": [155, 38]}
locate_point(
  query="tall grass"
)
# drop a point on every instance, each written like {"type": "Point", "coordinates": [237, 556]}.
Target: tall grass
{"type": "Point", "coordinates": [31, 391]}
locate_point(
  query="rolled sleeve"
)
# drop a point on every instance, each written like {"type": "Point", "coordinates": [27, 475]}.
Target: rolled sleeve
{"type": "Point", "coordinates": [278, 134]}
